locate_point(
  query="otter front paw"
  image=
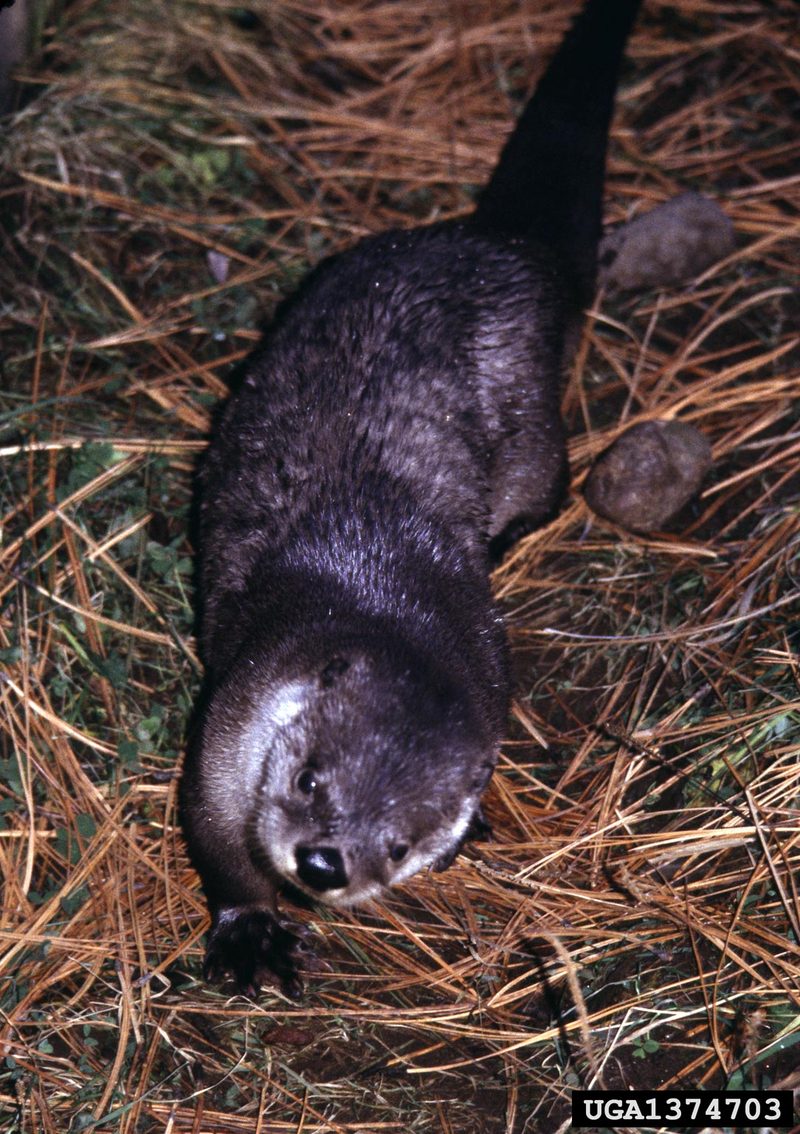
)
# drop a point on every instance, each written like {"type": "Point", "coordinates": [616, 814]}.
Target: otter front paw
{"type": "Point", "coordinates": [254, 947]}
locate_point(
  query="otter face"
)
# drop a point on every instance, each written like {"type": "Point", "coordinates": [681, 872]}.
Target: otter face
{"type": "Point", "coordinates": [367, 774]}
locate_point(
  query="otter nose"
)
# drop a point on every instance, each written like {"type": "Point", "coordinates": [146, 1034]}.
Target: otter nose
{"type": "Point", "coordinates": [321, 868]}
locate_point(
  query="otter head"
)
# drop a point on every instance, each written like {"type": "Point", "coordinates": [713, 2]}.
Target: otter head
{"type": "Point", "coordinates": [360, 774]}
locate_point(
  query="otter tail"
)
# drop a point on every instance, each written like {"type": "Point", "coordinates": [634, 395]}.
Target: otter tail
{"type": "Point", "coordinates": [548, 183]}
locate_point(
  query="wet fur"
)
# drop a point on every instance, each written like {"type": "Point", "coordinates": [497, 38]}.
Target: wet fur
{"type": "Point", "coordinates": [396, 430]}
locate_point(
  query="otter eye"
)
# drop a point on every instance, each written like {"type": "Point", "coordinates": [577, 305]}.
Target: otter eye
{"type": "Point", "coordinates": [306, 781]}
{"type": "Point", "coordinates": [398, 852]}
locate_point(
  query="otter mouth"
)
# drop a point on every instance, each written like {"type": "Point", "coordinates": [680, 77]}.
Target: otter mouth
{"type": "Point", "coordinates": [346, 897]}
{"type": "Point", "coordinates": [320, 873]}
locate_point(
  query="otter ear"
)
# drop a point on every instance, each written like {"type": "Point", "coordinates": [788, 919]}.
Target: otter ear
{"type": "Point", "coordinates": [332, 670]}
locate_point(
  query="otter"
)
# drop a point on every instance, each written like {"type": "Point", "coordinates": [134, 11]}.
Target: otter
{"type": "Point", "coordinates": [395, 431]}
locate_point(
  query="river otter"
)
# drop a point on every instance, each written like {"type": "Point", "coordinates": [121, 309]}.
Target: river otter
{"type": "Point", "coordinates": [397, 429]}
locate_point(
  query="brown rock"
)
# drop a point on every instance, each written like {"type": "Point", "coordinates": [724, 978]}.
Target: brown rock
{"type": "Point", "coordinates": [673, 242]}
{"type": "Point", "coordinates": [648, 474]}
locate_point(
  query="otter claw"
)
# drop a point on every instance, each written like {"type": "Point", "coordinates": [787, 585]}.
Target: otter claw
{"type": "Point", "coordinates": [255, 948]}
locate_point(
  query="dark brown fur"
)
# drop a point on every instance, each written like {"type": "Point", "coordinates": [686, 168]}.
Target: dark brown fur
{"type": "Point", "coordinates": [396, 430]}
